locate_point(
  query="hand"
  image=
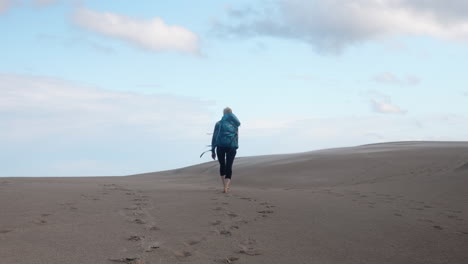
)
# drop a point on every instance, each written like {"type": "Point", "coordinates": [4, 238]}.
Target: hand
{"type": "Point", "coordinates": [213, 155]}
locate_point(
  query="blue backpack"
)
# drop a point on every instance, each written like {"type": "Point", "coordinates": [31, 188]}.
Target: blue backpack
{"type": "Point", "coordinates": [226, 134]}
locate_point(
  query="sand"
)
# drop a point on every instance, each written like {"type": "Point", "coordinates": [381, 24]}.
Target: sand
{"type": "Point", "coordinates": [402, 202]}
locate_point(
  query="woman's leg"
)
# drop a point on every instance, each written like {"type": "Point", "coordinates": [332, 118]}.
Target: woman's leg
{"type": "Point", "coordinates": [230, 155]}
{"type": "Point", "coordinates": [221, 152]}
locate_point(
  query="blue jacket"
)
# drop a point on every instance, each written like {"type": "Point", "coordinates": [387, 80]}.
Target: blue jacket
{"type": "Point", "coordinates": [226, 132]}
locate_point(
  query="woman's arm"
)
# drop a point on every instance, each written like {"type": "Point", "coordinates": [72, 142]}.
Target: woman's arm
{"type": "Point", "coordinates": [215, 137]}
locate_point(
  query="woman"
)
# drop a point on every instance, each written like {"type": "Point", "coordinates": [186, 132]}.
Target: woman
{"type": "Point", "coordinates": [226, 142]}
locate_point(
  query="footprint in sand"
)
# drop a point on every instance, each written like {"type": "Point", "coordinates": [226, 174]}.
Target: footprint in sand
{"type": "Point", "coordinates": [225, 233]}
{"type": "Point", "coordinates": [4, 231]}
{"type": "Point", "coordinates": [136, 213]}
{"type": "Point", "coordinates": [250, 251]}
{"type": "Point", "coordinates": [232, 215]}
{"type": "Point", "coordinates": [127, 260]}
{"type": "Point", "coordinates": [248, 248]}
{"type": "Point", "coordinates": [139, 221]}
{"type": "Point", "coordinates": [193, 242]}
{"type": "Point", "coordinates": [135, 238]}
{"type": "Point", "coordinates": [243, 221]}
{"type": "Point", "coordinates": [40, 222]}
{"type": "Point", "coordinates": [215, 223]}
{"type": "Point", "coordinates": [228, 260]}
{"type": "Point", "coordinates": [153, 246]}
{"type": "Point", "coordinates": [133, 208]}
{"type": "Point", "coordinates": [266, 212]}
{"type": "Point", "coordinates": [267, 205]}
{"type": "Point", "coordinates": [182, 253]}
{"type": "Point", "coordinates": [154, 228]}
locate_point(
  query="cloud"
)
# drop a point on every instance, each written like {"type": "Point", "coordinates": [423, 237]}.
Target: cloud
{"type": "Point", "coordinates": [332, 25]}
{"type": "Point", "coordinates": [54, 127]}
{"type": "Point", "coordinates": [382, 103]}
{"type": "Point", "coordinates": [153, 34]}
{"type": "Point", "coordinates": [43, 106]}
{"type": "Point", "coordinates": [386, 107]}
{"type": "Point", "coordinates": [390, 78]}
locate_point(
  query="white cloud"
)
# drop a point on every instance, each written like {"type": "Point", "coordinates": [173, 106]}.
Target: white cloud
{"type": "Point", "coordinates": [382, 103]}
{"type": "Point", "coordinates": [390, 78]}
{"type": "Point", "coordinates": [331, 25]}
{"type": "Point", "coordinates": [54, 127]}
{"type": "Point", "coordinates": [386, 77]}
{"type": "Point", "coordinates": [386, 107]}
{"type": "Point", "coordinates": [153, 34]}
{"type": "Point", "coordinates": [38, 107]}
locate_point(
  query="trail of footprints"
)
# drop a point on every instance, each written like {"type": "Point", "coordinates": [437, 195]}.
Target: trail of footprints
{"type": "Point", "coordinates": [138, 214]}
{"type": "Point", "coordinates": [227, 223]}
{"type": "Point", "coordinates": [401, 204]}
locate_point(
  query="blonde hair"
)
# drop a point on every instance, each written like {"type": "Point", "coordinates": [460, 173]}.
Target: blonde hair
{"type": "Point", "coordinates": [227, 110]}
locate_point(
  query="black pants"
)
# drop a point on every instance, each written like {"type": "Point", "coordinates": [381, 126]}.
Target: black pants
{"type": "Point", "coordinates": [226, 159]}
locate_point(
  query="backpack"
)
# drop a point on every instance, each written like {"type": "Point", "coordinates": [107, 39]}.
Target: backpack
{"type": "Point", "coordinates": [227, 134]}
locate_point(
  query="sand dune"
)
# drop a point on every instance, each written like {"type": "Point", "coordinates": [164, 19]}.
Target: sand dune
{"type": "Point", "coordinates": [401, 202]}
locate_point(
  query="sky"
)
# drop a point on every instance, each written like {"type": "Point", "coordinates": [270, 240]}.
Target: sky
{"type": "Point", "coordinates": [110, 88]}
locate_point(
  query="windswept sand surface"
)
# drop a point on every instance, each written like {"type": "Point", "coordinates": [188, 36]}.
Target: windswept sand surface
{"type": "Point", "coordinates": [404, 202]}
